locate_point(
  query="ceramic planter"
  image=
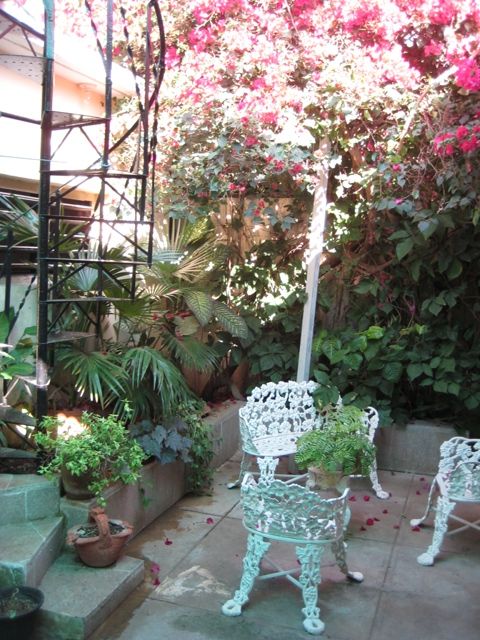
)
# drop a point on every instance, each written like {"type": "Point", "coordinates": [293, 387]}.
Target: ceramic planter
{"type": "Point", "coordinates": [320, 480]}
{"type": "Point", "coordinates": [101, 542]}
{"type": "Point", "coordinates": [76, 487]}
{"type": "Point", "coordinates": [18, 609]}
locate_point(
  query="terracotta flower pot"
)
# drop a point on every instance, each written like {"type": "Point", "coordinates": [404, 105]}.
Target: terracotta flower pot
{"type": "Point", "coordinates": [76, 487]}
{"type": "Point", "coordinates": [100, 543]}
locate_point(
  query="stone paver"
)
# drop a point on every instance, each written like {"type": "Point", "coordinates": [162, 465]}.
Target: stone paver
{"type": "Point", "coordinates": [194, 554]}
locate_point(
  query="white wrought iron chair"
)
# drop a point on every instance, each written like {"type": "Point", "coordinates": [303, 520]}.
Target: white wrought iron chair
{"type": "Point", "coordinates": [457, 480]}
{"type": "Point", "coordinates": [276, 415]}
{"type": "Point", "coordinates": [277, 511]}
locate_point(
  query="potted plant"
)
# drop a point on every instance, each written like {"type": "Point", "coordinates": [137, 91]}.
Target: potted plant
{"type": "Point", "coordinates": [337, 450]}
{"type": "Point", "coordinates": [99, 453]}
{"type": "Point", "coordinates": [18, 606]}
{"type": "Point", "coordinates": [100, 542]}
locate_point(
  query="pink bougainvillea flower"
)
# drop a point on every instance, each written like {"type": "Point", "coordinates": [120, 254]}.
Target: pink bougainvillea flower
{"type": "Point", "coordinates": [168, 542]}
{"type": "Point", "coordinates": [210, 520]}
{"type": "Point", "coordinates": [156, 582]}
{"type": "Point", "coordinates": [370, 522]}
{"type": "Point", "coordinates": [385, 511]}
{"type": "Point", "coordinates": [352, 499]}
{"type": "Point", "coordinates": [417, 528]}
{"type": "Point", "coordinates": [366, 498]}
{"type": "Point", "coordinates": [155, 568]}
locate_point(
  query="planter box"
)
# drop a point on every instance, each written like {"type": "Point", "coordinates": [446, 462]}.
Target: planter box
{"type": "Point", "coordinates": [161, 486]}
{"type": "Point", "coordinates": [414, 447]}
{"type": "Point", "coordinates": [226, 430]}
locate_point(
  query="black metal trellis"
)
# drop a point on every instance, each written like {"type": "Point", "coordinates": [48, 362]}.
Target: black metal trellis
{"type": "Point", "coordinates": [127, 190]}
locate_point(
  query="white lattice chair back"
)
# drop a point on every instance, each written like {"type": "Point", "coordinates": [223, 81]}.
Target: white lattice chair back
{"type": "Point", "coordinates": [459, 469]}
{"type": "Point", "coordinates": [290, 512]}
{"type": "Point", "coordinates": [276, 415]}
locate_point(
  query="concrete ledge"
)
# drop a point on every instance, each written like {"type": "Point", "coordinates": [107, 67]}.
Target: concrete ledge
{"type": "Point", "coordinates": [27, 549]}
{"type": "Point", "coordinates": [27, 497]}
{"type": "Point", "coordinates": [79, 598]}
{"type": "Point", "coordinates": [414, 447]}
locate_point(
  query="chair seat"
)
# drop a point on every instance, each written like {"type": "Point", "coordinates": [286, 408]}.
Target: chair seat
{"type": "Point", "coordinates": [291, 512]}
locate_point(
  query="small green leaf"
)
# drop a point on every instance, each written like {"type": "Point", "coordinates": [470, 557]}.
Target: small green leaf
{"type": "Point", "coordinates": [403, 248]}
{"type": "Point", "coordinates": [428, 227]}
{"type": "Point", "coordinates": [374, 332]}
{"type": "Point", "coordinates": [414, 371]}
{"type": "Point", "coordinates": [455, 269]}
{"type": "Point", "coordinates": [392, 371]}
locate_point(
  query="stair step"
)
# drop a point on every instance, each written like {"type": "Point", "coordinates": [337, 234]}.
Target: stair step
{"type": "Point", "coordinates": [27, 549]}
{"type": "Point", "coordinates": [26, 497]}
{"type": "Point", "coordinates": [79, 598]}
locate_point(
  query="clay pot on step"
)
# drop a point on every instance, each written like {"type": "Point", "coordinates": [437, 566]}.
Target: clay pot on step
{"type": "Point", "coordinates": [100, 542]}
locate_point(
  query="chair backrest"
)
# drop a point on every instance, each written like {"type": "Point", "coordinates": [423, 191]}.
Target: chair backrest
{"type": "Point", "coordinates": [276, 414]}
{"type": "Point", "coordinates": [289, 511]}
{"type": "Point", "coordinates": [459, 468]}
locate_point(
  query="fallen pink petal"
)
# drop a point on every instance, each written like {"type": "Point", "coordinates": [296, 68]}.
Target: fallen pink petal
{"type": "Point", "coordinates": [168, 542]}
{"type": "Point", "coordinates": [370, 522]}
{"type": "Point", "coordinates": [418, 493]}
{"type": "Point", "coordinates": [422, 479]}
{"type": "Point", "coordinates": [377, 519]}
{"type": "Point", "coordinates": [352, 499]}
{"type": "Point", "coordinates": [366, 498]}
{"type": "Point", "coordinates": [416, 528]}
{"type": "Point", "coordinates": [156, 582]}
{"type": "Point", "coordinates": [396, 526]}
{"type": "Point", "coordinates": [385, 511]}
{"type": "Point", "coordinates": [155, 568]}
{"type": "Point", "coordinates": [362, 529]}
{"type": "Point", "coordinates": [210, 521]}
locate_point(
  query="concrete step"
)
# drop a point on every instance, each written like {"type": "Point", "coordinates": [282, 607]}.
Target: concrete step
{"type": "Point", "coordinates": [27, 549]}
{"type": "Point", "coordinates": [27, 497]}
{"type": "Point", "coordinates": [79, 598]}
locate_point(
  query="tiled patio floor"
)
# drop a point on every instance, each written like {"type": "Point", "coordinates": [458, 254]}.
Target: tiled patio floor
{"type": "Point", "coordinates": [198, 546]}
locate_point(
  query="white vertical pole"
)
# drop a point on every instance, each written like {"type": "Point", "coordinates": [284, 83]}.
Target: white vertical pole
{"type": "Point", "coordinates": [314, 254]}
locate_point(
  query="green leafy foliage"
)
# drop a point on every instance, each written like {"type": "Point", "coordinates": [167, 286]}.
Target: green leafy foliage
{"type": "Point", "coordinates": [165, 443]}
{"type": "Point", "coordinates": [200, 472]}
{"type": "Point", "coordinates": [341, 445]}
{"type": "Point", "coordinates": [104, 450]}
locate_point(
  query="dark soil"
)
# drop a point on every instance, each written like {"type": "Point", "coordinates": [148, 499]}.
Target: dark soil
{"type": "Point", "coordinates": [16, 604]}
{"type": "Point", "coordinates": [91, 530]}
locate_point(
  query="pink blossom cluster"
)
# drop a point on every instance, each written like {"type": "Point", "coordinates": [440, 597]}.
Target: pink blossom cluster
{"type": "Point", "coordinates": [465, 139]}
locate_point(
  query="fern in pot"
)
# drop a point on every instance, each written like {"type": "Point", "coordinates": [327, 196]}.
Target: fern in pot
{"type": "Point", "coordinates": [337, 450]}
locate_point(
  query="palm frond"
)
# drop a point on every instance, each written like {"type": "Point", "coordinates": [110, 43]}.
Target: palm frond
{"type": "Point", "coordinates": [97, 375]}
{"type": "Point", "coordinates": [194, 266]}
{"type": "Point", "coordinates": [229, 320]}
{"type": "Point", "coordinates": [200, 304]}
{"type": "Point", "coordinates": [167, 381]}
{"type": "Point", "coordinates": [191, 353]}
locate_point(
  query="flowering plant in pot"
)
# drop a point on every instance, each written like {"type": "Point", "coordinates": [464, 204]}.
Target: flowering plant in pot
{"type": "Point", "coordinates": [101, 452]}
{"type": "Point", "coordinates": [337, 450]}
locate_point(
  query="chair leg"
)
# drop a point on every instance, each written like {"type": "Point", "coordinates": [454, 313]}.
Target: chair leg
{"type": "Point", "coordinates": [245, 465]}
{"type": "Point", "coordinates": [257, 547]}
{"type": "Point", "coordinates": [383, 495]}
{"type": "Point", "coordinates": [443, 509]}
{"type": "Point", "coordinates": [339, 549]}
{"type": "Point", "coordinates": [414, 522]}
{"type": "Point", "coordinates": [309, 557]}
